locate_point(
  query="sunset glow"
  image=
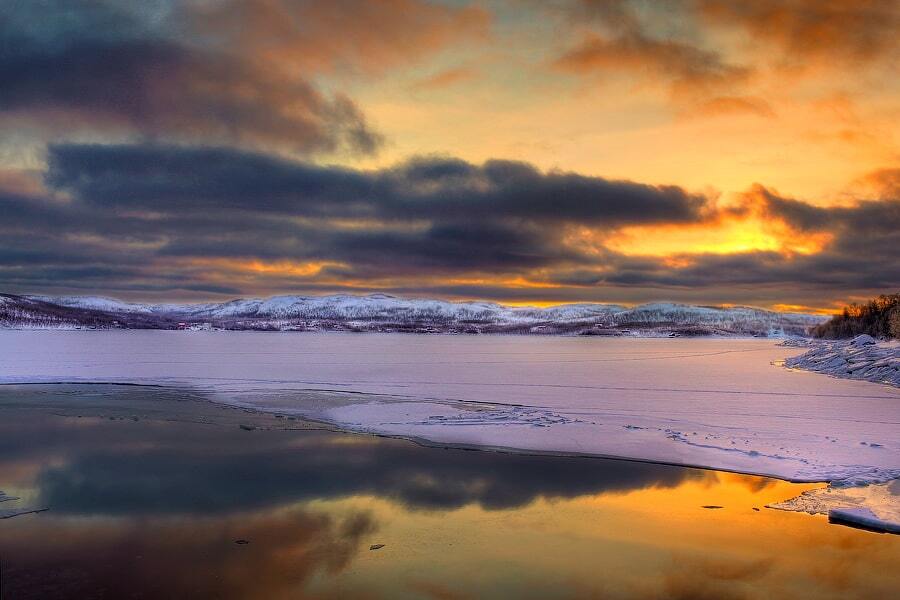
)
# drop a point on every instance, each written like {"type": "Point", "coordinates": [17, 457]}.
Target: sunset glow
{"type": "Point", "coordinates": [707, 151]}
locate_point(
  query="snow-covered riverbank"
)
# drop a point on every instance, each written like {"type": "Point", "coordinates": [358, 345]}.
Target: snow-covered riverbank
{"type": "Point", "coordinates": [860, 358]}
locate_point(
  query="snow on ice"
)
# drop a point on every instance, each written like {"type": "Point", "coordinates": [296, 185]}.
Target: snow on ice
{"type": "Point", "coordinates": [860, 358]}
{"type": "Point", "coordinates": [719, 403]}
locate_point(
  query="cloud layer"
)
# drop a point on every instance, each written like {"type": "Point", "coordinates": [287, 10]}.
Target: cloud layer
{"type": "Point", "coordinates": [688, 45]}
{"type": "Point", "coordinates": [241, 72]}
{"type": "Point", "coordinates": [182, 148]}
{"type": "Point", "coordinates": [179, 219]}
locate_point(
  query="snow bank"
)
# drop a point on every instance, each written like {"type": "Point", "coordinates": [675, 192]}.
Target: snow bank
{"type": "Point", "coordinates": [874, 505]}
{"type": "Point", "coordinates": [863, 517]}
{"type": "Point", "coordinates": [860, 358]}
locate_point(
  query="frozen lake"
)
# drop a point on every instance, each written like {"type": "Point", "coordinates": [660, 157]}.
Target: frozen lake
{"type": "Point", "coordinates": [719, 403]}
{"type": "Point", "coordinates": [146, 489]}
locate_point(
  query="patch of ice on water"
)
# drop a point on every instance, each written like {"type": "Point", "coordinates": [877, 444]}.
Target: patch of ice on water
{"type": "Point", "coordinates": [516, 415]}
{"type": "Point", "coordinates": [873, 505]}
{"type": "Point", "coordinates": [863, 517]}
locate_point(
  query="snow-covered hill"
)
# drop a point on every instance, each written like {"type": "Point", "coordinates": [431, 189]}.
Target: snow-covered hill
{"type": "Point", "coordinates": [382, 312]}
{"type": "Point", "coordinates": [741, 318]}
{"type": "Point", "coordinates": [383, 307]}
{"type": "Point", "coordinates": [95, 303]}
{"type": "Point", "coordinates": [41, 312]}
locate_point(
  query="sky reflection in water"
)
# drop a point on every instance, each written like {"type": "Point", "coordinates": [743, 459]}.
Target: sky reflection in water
{"type": "Point", "coordinates": [152, 508]}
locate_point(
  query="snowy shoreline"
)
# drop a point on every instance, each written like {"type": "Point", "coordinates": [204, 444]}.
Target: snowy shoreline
{"type": "Point", "coordinates": [868, 505]}
{"type": "Point", "coordinates": [862, 358]}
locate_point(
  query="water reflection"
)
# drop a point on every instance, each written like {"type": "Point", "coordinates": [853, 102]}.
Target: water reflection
{"type": "Point", "coordinates": [94, 465]}
{"type": "Point", "coordinates": [174, 558]}
{"type": "Point", "coordinates": [152, 508]}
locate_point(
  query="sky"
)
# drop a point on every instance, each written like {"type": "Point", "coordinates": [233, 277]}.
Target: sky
{"type": "Point", "coordinates": [521, 151]}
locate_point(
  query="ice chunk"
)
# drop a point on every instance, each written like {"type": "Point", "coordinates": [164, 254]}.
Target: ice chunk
{"type": "Point", "coordinates": [874, 506]}
{"type": "Point", "coordinates": [862, 517]}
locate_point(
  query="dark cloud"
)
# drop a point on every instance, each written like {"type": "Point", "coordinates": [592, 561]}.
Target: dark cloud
{"type": "Point", "coordinates": [798, 214]}
{"type": "Point", "coordinates": [153, 218]}
{"type": "Point", "coordinates": [828, 270]}
{"type": "Point", "coordinates": [427, 216]}
{"type": "Point", "coordinates": [857, 31]}
{"type": "Point", "coordinates": [863, 222]}
{"type": "Point", "coordinates": [359, 36]}
{"type": "Point", "coordinates": [679, 44]}
{"type": "Point", "coordinates": [208, 72]}
{"type": "Point", "coordinates": [862, 252]}
{"type": "Point", "coordinates": [686, 65]}
{"type": "Point", "coordinates": [188, 179]}
{"type": "Point", "coordinates": [850, 31]}
{"type": "Point", "coordinates": [142, 80]}
{"type": "Point", "coordinates": [192, 206]}
{"type": "Point", "coordinates": [615, 37]}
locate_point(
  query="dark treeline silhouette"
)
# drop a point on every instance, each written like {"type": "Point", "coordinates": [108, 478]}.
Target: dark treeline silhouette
{"type": "Point", "coordinates": [879, 318]}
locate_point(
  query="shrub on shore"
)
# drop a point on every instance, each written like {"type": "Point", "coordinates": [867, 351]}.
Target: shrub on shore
{"type": "Point", "coordinates": [879, 318]}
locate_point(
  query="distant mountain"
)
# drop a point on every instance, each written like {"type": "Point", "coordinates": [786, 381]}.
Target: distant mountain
{"type": "Point", "coordinates": [382, 312]}
{"type": "Point", "coordinates": [37, 312]}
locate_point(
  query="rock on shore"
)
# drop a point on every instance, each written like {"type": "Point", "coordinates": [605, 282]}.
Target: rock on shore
{"type": "Point", "coordinates": [861, 358]}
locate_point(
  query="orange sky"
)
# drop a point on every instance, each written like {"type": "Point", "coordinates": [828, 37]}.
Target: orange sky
{"type": "Point", "coordinates": [766, 111]}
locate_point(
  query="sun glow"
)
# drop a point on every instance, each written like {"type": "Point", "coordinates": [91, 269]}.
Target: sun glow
{"type": "Point", "coordinates": [725, 236]}
{"type": "Point", "coordinates": [282, 268]}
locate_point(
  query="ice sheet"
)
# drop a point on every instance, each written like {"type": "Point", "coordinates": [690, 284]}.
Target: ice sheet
{"type": "Point", "coordinates": [719, 403]}
{"type": "Point", "coordinates": [875, 506]}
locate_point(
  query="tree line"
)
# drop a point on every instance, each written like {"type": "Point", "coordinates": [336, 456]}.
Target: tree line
{"type": "Point", "coordinates": [879, 318]}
